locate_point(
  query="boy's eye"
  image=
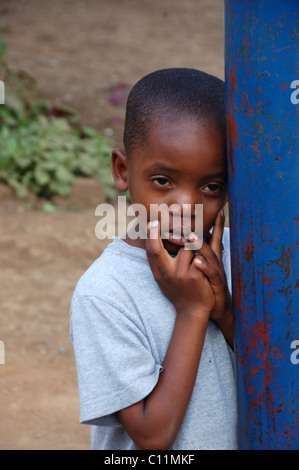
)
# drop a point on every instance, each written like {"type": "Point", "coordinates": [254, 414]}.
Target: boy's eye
{"type": "Point", "coordinates": [160, 181]}
{"type": "Point", "coordinates": [213, 187]}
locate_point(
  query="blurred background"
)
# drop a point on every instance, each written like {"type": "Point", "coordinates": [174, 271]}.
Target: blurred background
{"type": "Point", "coordinates": [68, 66]}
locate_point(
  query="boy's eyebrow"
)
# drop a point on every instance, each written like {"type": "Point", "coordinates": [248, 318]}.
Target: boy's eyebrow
{"type": "Point", "coordinates": [156, 167]}
{"type": "Point", "coordinates": [160, 167]}
{"type": "Point", "coordinates": [221, 174]}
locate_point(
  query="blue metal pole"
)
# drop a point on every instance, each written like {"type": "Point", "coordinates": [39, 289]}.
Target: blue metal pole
{"type": "Point", "coordinates": [262, 75]}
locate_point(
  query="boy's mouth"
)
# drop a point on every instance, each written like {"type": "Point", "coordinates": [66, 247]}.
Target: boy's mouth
{"type": "Point", "coordinates": [175, 237]}
{"type": "Point", "coordinates": [180, 240]}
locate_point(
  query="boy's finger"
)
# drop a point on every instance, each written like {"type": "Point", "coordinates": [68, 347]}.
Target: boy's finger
{"type": "Point", "coordinates": [207, 269]}
{"type": "Point", "coordinates": [208, 254]}
{"type": "Point", "coordinates": [157, 256]}
{"type": "Point", "coordinates": [183, 260]}
{"type": "Point", "coordinates": [216, 238]}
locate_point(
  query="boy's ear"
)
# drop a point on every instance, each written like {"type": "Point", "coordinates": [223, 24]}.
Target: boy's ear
{"type": "Point", "coordinates": [120, 169]}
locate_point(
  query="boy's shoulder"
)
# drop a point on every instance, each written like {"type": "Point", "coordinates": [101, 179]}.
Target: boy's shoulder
{"type": "Point", "coordinates": [115, 267]}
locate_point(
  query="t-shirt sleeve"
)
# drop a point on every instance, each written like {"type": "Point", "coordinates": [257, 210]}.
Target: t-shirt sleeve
{"type": "Point", "coordinates": [226, 258]}
{"type": "Point", "coordinates": [115, 365]}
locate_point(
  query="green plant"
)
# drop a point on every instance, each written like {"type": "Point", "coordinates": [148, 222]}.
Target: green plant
{"type": "Point", "coordinates": [43, 148]}
{"type": "Point", "coordinates": [46, 155]}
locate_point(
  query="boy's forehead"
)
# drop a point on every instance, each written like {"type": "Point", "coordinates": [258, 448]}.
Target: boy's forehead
{"type": "Point", "coordinates": [174, 144]}
{"type": "Point", "coordinates": [170, 127]}
{"type": "Point", "coordinates": [186, 135]}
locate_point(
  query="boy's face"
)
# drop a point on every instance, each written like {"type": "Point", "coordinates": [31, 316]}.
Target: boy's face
{"type": "Point", "coordinates": [181, 163]}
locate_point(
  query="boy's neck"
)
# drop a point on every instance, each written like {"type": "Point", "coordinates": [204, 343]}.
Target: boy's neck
{"type": "Point", "coordinates": [138, 243]}
{"type": "Point", "coordinates": [131, 239]}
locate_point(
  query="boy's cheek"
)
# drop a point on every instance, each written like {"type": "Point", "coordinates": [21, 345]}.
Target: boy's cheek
{"type": "Point", "coordinates": [206, 230]}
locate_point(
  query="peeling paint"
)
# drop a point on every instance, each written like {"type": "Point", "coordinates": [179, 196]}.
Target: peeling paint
{"type": "Point", "coordinates": [231, 122]}
{"type": "Point", "coordinates": [263, 148]}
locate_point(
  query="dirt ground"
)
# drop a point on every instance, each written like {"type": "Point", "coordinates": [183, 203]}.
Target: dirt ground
{"type": "Point", "coordinates": [84, 54]}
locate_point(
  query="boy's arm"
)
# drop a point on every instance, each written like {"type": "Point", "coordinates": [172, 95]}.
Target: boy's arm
{"type": "Point", "coordinates": [209, 261]}
{"type": "Point", "coordinates": [226, 326]}
{"type": "Point", "coordinates": [153, 423]}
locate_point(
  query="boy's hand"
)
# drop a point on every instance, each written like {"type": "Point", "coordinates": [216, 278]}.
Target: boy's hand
{"type": "Point", "coordinates": [187, 287]}
{"type": "Point", "coordinates": [209, 261]}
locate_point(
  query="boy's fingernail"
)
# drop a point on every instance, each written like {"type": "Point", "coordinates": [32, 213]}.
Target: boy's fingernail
{"type": "Point", "coordinates": [192, 237]}
{"type": "Point", "coordinates": [153, 224]}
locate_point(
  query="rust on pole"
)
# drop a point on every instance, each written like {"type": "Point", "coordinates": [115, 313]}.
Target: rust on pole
{"type": "Point", "coordinates": [262, 79]}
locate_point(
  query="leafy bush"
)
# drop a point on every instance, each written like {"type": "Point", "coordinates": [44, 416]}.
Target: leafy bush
{"type": "Point", "coordinates": [46, 155]}
{"type": "Point", "coordinates": [42, 146]}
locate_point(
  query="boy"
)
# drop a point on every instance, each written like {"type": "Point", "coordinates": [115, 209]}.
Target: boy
{"type": "Point", "coordinates": [151, 322]}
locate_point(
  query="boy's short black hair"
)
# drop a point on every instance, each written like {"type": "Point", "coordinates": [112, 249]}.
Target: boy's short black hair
{"type": "Point", "coordinates": [173, 93]}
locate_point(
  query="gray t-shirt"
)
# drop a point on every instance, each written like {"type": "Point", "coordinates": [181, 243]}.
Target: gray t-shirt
{"type": "Point", "coordinates": [121, 325]}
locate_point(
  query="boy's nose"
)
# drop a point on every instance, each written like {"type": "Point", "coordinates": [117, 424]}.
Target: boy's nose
{"type": "Point", "coordinates": [188, 202]}
{"type": "Point", "coordinates": [188, 219]}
